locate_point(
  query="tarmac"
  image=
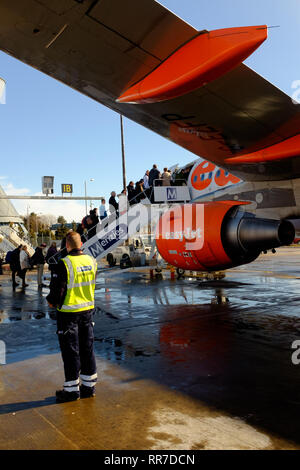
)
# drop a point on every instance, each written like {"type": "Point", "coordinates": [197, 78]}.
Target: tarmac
{"type": "Point", "coordinates": [183, 364]}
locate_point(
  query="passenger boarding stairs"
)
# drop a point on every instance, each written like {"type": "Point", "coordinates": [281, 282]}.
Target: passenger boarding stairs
{"type": "Point", "coordinates": [115, 229]}
{"type": "Point", "coordinates": [12, 240]}
{"type": "Point", "coordinates": [5, 244]}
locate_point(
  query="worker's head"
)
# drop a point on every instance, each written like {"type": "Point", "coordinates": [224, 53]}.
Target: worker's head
{"type": "Point", "coordinates": [73, 241]}
{"type": "Point", "coordinates": [113, 194]}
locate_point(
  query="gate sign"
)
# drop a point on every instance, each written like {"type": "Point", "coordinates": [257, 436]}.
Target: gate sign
{"type": "Point", "coordinates": [67, 188]}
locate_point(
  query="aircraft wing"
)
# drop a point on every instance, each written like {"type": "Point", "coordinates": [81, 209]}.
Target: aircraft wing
{"type": "Point", "coordinates": [103, 48]}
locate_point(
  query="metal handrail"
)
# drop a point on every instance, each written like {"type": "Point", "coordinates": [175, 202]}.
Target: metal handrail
{"type": "Point", "coordinates": [172, 183]}
{"type": "Point", "coordinates": [85, 237]}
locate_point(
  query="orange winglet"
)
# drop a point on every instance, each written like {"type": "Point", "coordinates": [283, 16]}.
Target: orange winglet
{"type": "Point", "coordinates": [286, 149]}
{"type": "Point", "coordinates": [198, 62]}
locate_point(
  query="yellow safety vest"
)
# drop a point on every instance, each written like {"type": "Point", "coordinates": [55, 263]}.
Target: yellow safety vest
{"type": "Point", "coordinates": [81, 283]}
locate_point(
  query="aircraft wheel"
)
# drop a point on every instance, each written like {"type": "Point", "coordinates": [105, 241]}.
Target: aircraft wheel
{"type": "Point", "coordinates": [180, 272]}
{"type": "Point", "coordinates": [111, 260]}
{"type": "Point", "coordinates": [125, 262]}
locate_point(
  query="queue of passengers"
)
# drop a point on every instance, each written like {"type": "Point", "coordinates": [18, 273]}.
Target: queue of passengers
{"type": "Point", "coordinates": [20, 261]}
{"type": "Point", "coordinates": [143, 188]}
{"type": "Point", "coordinates": [133, 194]}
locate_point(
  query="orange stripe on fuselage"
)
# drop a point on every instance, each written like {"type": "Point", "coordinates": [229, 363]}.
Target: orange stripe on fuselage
{"type": "Point", "coordinates": [287, 149]}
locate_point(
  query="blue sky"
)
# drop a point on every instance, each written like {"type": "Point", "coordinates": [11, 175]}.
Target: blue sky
{"type": "Point", "coordinates": [50, 129]}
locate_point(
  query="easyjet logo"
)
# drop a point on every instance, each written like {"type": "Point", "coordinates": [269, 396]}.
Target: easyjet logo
{"type": "Point", "coordinates": [205, 173]}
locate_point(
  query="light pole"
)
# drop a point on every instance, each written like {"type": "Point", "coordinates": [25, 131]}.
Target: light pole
{"type": "Point", "coordinates": [85, 195]}
{"type": "Point", "coordinates": [28, 218]}
{"type": "Point", "coordinates": [123, 152]}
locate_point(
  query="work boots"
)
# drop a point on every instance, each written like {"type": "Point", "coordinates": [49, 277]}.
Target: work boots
{"type": "Point", "coordinates": [62, 396]}
{"type": "Point", "coordinates": [87, 392]}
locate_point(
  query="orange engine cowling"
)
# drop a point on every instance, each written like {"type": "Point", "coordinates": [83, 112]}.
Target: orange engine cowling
{"type": "Point", "coordinates": [217, 235]}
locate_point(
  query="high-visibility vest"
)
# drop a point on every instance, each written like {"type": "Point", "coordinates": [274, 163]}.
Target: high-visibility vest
{"type": "Point", "coordinates": [81, 271]}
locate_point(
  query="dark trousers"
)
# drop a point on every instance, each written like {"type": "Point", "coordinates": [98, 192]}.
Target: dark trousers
{"type": "Point", "coordinates": [13, 276]}
{"type": "Point", "coordinates": [76, 339]}
{"type": "Point", "coordinates": [22, 275]}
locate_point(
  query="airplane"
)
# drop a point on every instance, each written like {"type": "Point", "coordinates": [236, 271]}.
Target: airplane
{"type": "Point", "coordinates": [191, 87]}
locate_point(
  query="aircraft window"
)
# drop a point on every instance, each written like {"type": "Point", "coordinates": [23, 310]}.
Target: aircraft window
{"type": "Point", "coordinates": [202, 177]}
{"type": "Point", "coordinates": [218, 173]}
{"type": "Point", "coordinates": [210, 175]}
{"type": "Point", "coordinates": [195, 179]}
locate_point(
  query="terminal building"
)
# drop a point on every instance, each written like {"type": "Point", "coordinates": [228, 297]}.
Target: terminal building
{"type": "Point", "coordinates": [10, 225]}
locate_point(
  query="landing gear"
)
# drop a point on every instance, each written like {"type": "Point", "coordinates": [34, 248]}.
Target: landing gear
{"type": "Point", "coordinates": [180, 272]}
{"type": "Point", "coordinates": [111, 260]}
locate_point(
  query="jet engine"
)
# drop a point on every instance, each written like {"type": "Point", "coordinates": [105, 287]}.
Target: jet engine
{"type": "Point", "coordinates": [217, 235]}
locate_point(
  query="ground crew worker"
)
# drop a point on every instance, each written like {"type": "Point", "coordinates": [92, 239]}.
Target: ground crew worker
{"type": "Point", "coordinates": [72, 293]}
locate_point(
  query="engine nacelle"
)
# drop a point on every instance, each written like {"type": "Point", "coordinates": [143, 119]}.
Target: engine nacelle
{"type": "Point", "coordinates": [217, 235]}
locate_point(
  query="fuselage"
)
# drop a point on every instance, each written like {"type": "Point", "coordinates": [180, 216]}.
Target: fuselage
{"type": "Point", "coordinates": [270, 199]}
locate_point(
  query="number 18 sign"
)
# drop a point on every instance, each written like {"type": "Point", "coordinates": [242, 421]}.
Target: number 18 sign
{"type": "Point", "coordinates": [67, 188]}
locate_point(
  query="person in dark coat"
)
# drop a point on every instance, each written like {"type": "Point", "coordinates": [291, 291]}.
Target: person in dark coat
{"type": "Point", "coordinates": [52, 250]}
{"type": "Point", "coordinates": [131, 193]}
{"type": "Point", "coordinates": [139, 191]}
{"type": "Point", "coordinates": [84, 228]}
{"type": "Point", "coordinates": [14, 263]}
{"type": "Point", "coordinates": [38, 259]}
{"type": "Point", "coordinates": [113, 205]}
{"type": "Point", "coordinates": [154, 174]}
{"type": "Point", "coordinates": [94, 217]}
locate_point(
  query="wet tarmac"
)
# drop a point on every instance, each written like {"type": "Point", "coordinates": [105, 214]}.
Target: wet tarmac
{"type": "Point", "coordinates": [184, 364]}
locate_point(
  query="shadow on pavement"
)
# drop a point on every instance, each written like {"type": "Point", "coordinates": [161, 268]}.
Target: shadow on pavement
{"type": "Point", "coordinates": [26, 405]}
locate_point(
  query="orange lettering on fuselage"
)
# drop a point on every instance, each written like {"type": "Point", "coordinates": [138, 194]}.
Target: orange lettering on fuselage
{"type": "Point", "coordinates": [200, 181]}
{"type": "Point", "coordinates": [222, 178]}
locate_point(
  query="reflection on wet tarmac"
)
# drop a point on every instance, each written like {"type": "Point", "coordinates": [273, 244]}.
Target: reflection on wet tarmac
{"type": "Point", "coordinates": [227, 342]}
{"type": "Point", "coordinates": [19, 305]}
